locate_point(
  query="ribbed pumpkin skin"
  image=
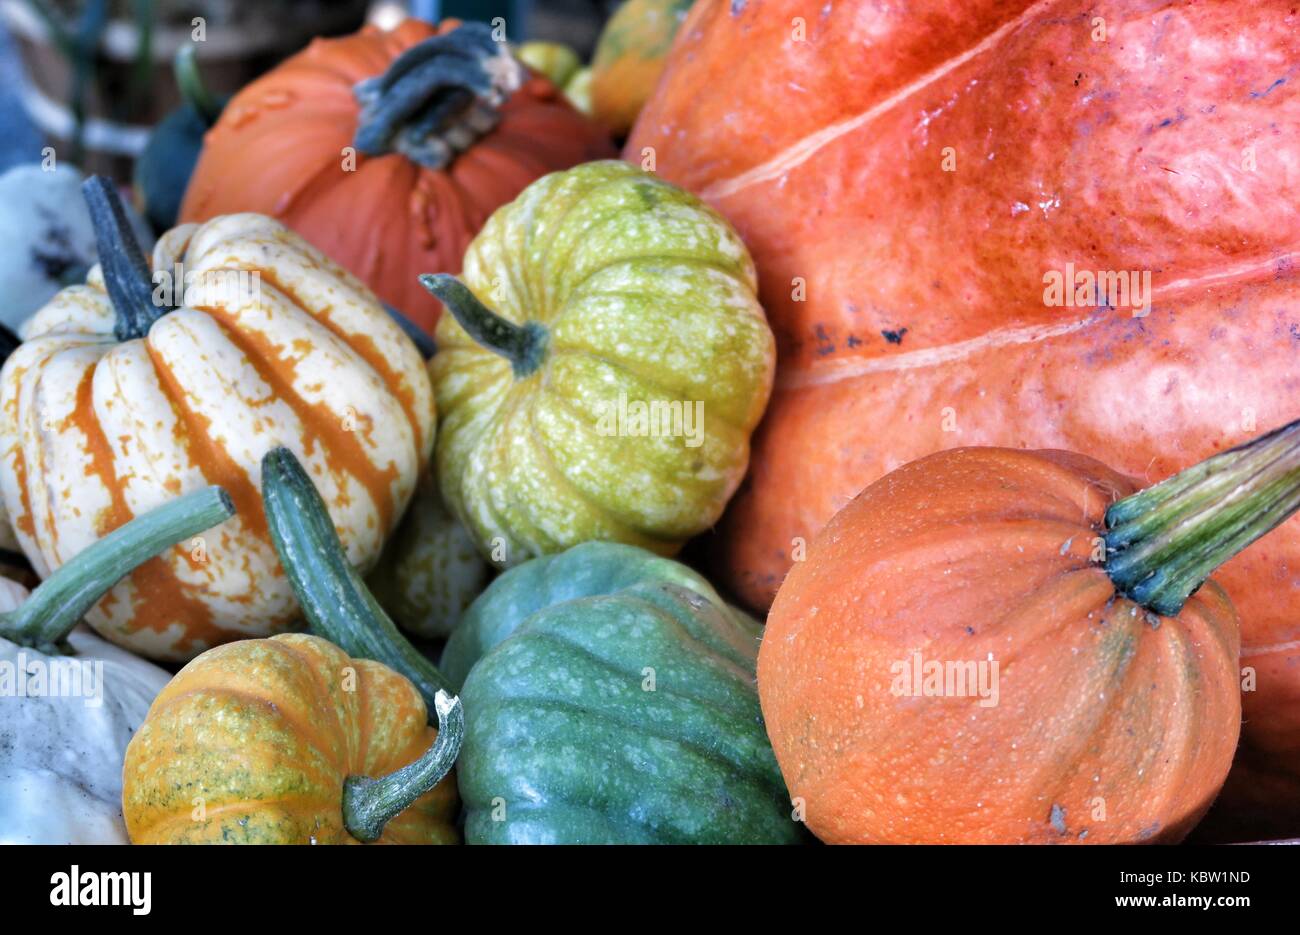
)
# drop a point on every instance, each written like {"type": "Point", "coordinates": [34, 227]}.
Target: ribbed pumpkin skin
{"type": "Point", "coordinates": [630, 57]}
{"type": "Point", "coordinates": [1066, 150]}
{"type": "Point", "coordinates": [265, 732]}
{"type": "Point", "coordinates": [644, 292]}
{"type": "Point", "coordinates": [278, 149]}
{"type": "Point", "coordinates": [561, 729]}
{"type": "Point", "coordinates": [96, 431]}
{"type": "Point", "coordinates": [979, 554]}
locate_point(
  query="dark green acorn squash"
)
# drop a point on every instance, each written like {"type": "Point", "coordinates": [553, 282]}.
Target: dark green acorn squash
{"type": "Point", "coordinates": [614, 702]}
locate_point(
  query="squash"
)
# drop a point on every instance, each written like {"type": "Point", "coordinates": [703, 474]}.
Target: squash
{"type": "Point", "coordinates": [431, 570]}
{"type": "Point", "coordinates": [553, 60]}
{"type": "Point", "coordinates": [61, 749]}
{"type": "Point", "coordinates": [613, 703]}
{"type": "Point", "coordinates": [278, 741]}
{"type": "Point", "coordinates": [995, 645]}
{"type": "Point", "coordinates": [909, 301]}
{"type": "Point", "coordinates": [46, 238]}
{"type": "Point", "coordinates": [602, 368]}
{"type": "Point", "coordinates": [115, 404]}
{"type": "Point", "coordinates": [164, 167]}
{"type": "Point", "coordinates": [388, 150]}
{"type": "Point", "coordinates": [630, 57]}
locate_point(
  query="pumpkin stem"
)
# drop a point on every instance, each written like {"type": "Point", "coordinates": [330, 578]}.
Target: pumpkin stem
{"type": "Point", "coordinates": [1163, 542]}
{"type": "Point", "coordinates": [369, 804]}
{"type": "Point", "coordinates": [437, 98]}
{"type": "Point", "coordinates": [523, 345]}
{"type": "Point", "coordinates": [54, 608]}
{"type": "Point", "coordinates": [126, 272]}
{"type": "Point", "coordinates": [336, 602]}
{"type": "Point", "coordinates": [189, 81]}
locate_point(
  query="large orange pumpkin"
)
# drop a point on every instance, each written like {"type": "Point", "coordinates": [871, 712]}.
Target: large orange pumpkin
{"type": "Point", "coordinates": [959, 659]}
{"type": "Point", "coordinates": [907, 177]}
{"type": "Point", "coordinates": [400, 185]}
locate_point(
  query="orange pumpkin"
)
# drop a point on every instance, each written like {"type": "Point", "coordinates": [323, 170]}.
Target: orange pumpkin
{"type": "Point", "coordinates": [450, 129]}
{"type": "Point", "coordinates": [909, 301]}
{"type": "Point", "coordinates": [985, 647]}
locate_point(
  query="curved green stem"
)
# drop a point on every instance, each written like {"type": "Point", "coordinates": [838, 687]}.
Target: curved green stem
{"type": "Point", "coordinates": [54, 608]}
{"type": "Point", "coordinates": [334, 599]}
{"type": "Point", "coordinates": [126, 272]}
{"type": "Point", "coordinates": [189, 81]}
{"type": "Point", "coordinates": [369, 804]}
{"type": "Point", "coordinates": [437, 98]}
{"type": "Point", "coordinates": [1164, 542]}
{"type": "Point", "coordinates": [523, 345]}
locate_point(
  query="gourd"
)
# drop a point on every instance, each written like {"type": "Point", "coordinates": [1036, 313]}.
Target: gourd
{"type": "Point", "coordinates": [603, 364]}
{"type": "Point", "coordinates": [287, 740]}
{"type": "Point", "coordinates": [630, 56]}
{"type": "Point", "coordinates": [431, 570]}
{"type": "Point", "coordinates": [997, 645]}
{"type": "Point", "coordinates": [388, 150]}
{"type": "Point", "coordinates": [921, 323]}
{"type": "Point", "coordinates": [115, 404]}
{"type": "Point", "coordinates": [164, 167]}
{"type": "Point", "coordinates": [613, 702]}
{"type": "Point", "coordinates": [578, 91]}
{"type": "Point", "coordinates": [47, 240]}
{"type": "Point", "coordinates": [554, 60]}
{"type": "Point", "coordinates": [72, 701]}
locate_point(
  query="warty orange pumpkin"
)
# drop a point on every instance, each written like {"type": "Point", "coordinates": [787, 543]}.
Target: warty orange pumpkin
{"type": "Point", "coordinates": [993, 645]}
{"type": "Point", "coordinates": [114, 404]}
{"type": "Point", "coordinates": [388, 150]}
{"type": "Point", "coordinates": [907, 176]}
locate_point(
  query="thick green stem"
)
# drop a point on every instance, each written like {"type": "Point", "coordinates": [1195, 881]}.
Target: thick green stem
{"type": "Point", "coordinates": [1164, 542]}
{"type": "Point", "coordinates": [334, 599]}
{"type": "Point", "coordinates": [126, 272]}
{"type": "Point", "coordinates": [523, 345]}
{"type": "Point", "coordinates": [54, 608]}
{"type": "Point", "coordinates": [437, 98]}
{"type": "Point", "coordinates": [189, 81]}
{"type": "Point", "coordinates": [369, 804]}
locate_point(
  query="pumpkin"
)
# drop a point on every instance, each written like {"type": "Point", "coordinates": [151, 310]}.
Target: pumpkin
{"type": "Point", "coordinates": [72, 701]}
{"type": "Point", "coordinates": [629, 59]}
{"type": "Point", "coordinates": [613, 702]}
{"type": "Point", "coordinates": [603, 364]}
{"type": "Point", "coordinates": [287, 740]}
{"type": "Point", "coordinates": [388, 150]}
{"type": "Point", "coordinates": [431, 570]}
{"type": "Point", "coordinates": [553, 60]}
{"type": "Point", "coordinates": [996, 645]}
{"type": "Point", "coordinates": [909, 301]}
{"type": "Point", "coordinates": [164, 167]}
{"type": "Point", "coordinates": [46, 238]}
{"type": "Point", "coordinates": [113, 405]}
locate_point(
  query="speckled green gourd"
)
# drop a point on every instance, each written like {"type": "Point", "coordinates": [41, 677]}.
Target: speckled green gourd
{"type": "Point", "coordinates": [602, 287]}
{"type": "Point", "coordinates": [612, 700]}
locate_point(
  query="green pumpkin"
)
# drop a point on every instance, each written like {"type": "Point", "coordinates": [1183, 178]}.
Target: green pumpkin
{"type": "Point", "coordinates": [614, 702]}
{"type": "Point", "coordinates": [430, 570]}
{"type": "Point", "coordinates": [554, 60]}
{"type": "Point", "coordinates": [601, 375]}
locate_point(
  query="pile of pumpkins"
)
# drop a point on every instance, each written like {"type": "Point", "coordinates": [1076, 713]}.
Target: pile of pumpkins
{"type": "Point", "coordinates": [424, 370]}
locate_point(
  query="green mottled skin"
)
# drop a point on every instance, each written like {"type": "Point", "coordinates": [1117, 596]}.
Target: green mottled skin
{"type": "Point", "coordinates": [562, 733]}
{"type": "Point", "coordinates": [641, 289]}
{"type": "Point", "coordinates": [431, 570]}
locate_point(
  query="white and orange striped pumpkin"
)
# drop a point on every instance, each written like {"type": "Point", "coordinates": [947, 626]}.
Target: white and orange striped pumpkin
{"type": "Point", "coordinates": [113, 405]}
